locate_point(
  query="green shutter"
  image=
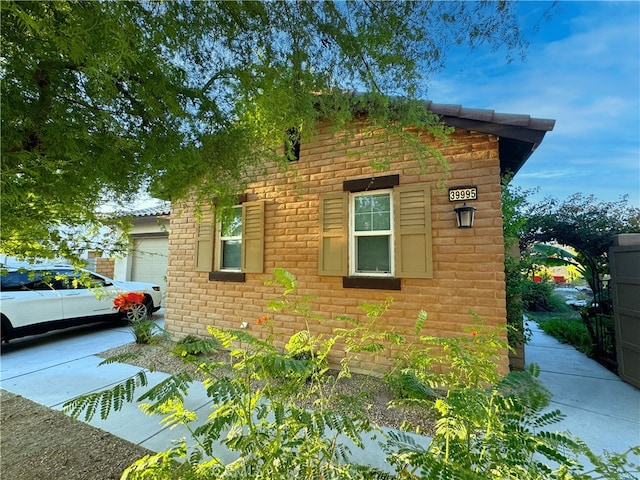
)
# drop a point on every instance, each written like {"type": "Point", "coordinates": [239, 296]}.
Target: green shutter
{"type": "Point", "coordinates": [205, 238]}
{"type": "Point", "coordinates": [413, 231]}
{"type": "Point", "coordinates": [334, 215]}
{"type": "Point", "coordinates": [253, 237]}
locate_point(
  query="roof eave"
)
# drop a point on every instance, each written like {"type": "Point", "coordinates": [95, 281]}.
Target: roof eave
{"type": "Point", "coordinates": [516, 143]}
{"type": "Point", "coordinates": [519, 135]}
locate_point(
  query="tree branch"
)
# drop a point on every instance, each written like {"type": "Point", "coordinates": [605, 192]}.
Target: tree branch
{"type": "Point", "coordinates": [224, 73]}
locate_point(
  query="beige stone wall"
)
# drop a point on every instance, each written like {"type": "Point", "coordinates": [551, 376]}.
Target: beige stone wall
{"type": "Point", "coordinates": [105, 266]}
{"type": "Point", "coordinates": [468, 263]}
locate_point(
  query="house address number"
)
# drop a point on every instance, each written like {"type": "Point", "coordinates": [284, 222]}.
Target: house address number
{"type": "Point", "coordinates": [458, 194]}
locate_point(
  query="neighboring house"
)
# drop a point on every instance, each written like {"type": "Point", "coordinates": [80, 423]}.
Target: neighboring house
{"type": "Point", "coordinates": [147, 259]}
{"type": "Point", "coordinates": [352, 234]}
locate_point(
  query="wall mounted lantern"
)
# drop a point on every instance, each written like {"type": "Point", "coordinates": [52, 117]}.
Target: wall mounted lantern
{"type": "Point", "coordinates": [465, 215]}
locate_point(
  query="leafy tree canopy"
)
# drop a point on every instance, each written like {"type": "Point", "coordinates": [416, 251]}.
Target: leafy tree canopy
{"type": "Point", "coordinates": [583, 223]}
{"type": "Point", "coordinates": [101, 100]}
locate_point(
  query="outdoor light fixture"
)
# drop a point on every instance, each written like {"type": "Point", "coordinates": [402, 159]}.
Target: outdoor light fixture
{"type": "Point", "coordinates": [464, 215]}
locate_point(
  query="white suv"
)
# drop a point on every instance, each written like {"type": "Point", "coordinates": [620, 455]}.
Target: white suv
{"type": "Point", "coordinates": [39, 299]}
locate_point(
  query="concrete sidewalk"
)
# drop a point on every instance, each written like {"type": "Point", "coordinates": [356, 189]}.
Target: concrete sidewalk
{"type": "Point", "coordinates": [600, 408]}
{"type": "Point", "coordinates": [55, 368]}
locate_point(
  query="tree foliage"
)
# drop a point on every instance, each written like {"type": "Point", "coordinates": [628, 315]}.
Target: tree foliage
{"type": "Point", "coordinates": [585, 224]}
{"type": "Point", "coordinates": [103, 99]}
{"type": "Point", "coordinates": [514, 202]}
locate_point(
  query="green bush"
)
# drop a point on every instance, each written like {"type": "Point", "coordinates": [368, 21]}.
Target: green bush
{"type": "Point", "coordinates": [535, 296]}
{"type": "Point", "coordinates": [571, 331]}
{"type": "Point", "coordinates": [540, 297]}
{"type": "Point", "coordinates": [145, 331]}
{"type": "Point", "coordinates": [191, 346]}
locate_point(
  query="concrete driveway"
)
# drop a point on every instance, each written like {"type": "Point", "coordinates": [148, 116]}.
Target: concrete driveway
{"type": "Point", "coordinates": [54, 368]}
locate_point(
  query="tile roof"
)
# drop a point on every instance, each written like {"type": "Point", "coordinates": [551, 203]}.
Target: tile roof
{"type": "Point", "coordinates": [162, 208]}
{"type": "Point", "coordinates": [519, 134]}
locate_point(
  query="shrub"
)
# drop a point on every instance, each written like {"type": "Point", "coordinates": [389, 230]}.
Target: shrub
{"type": "Point", "coordinates": [260, 401]}
{"type": "Point", "coordinates": [487, 427]}
{"type": "Point", "coordinates": [539, 297]}
{"type": "Point", "coordinates": [571, 331]}
{"type": "Point", "coordinates": [191, 346]}
{"type": "Point", "coordinates": [145, 331]}
{"type": "Point", "coordinates": [133, 306]}
{"type": "Point", "coordinates": [535, 296]}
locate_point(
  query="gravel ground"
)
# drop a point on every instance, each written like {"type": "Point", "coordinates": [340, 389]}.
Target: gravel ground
{"type": "Point", "coordinates": [156, 357]}
{"type": "Point", "coordinates": [39, 443]}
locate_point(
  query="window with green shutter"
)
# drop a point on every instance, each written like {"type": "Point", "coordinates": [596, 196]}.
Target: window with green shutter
{"type": "Point", "coordinates": [413, 253]}
{"type": "Point", "coordinates": [205, 235]}
{"type": "Point", "coordinates": [334, 211]}
{"type": "Point", "coordinates": [253, 237]}
{"type": "Point", "coordinates": [376, 232]}
{"type": "Point", "coordinates": [234, 245]}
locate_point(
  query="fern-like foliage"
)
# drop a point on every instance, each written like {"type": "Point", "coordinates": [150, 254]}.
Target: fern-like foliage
{"type": "Point", "coordinates": [171, 389]}
{"type": "Point", "coordinates": [173, 412]}
{"type": "Point", "coordinates": [284, 279]}
{"type": "Point", "coordinates": [121, 358]}
{"type": "Point", "coordinates": [193, 348]}
{"type": "Point", "coordinates": [410, 385]}
{"type": "Point", "coordinates": [488, 427]}
{"type": "Point", "coordinates": [105, 401]}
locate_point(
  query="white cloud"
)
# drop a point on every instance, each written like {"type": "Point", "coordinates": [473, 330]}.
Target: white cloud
{"type": "Point", "coordinates": [548, 174]}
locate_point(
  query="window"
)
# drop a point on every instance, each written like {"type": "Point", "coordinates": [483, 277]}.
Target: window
{"type": "Point", "coordinates": [376, 232]}
{"type": "Point", "coordinates": [230, 240]}
{"type": "Point", "coordinates": [292, 144]}
{"type": "Point", "coordinates": [234, 244]}
{"type": "Point", "coordinates": [372, 234]}
{"type": "Point", "coordinates": [28, 280]}
{"type": "Point", "coordinates": [79, 280]}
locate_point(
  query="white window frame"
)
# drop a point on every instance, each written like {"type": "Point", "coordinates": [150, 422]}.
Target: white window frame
{"type": "Point", "coordinates": [353, 260]}
{"type": "Point", "coordinates": [220, 239]}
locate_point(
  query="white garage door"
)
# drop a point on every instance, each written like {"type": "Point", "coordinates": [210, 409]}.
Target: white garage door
{"type": "Point", "coordinates": [150, 260]}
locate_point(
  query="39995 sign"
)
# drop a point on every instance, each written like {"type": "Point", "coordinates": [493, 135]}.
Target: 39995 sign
{"type": "Point", "coordinates": [458, 194]}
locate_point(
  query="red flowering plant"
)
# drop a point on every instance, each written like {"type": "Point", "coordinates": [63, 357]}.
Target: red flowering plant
{"type": "Point", "coordinates": [132, 305]}
{"type": "Point", "coordinates": [266, 323]}
{"type": "Point", "coordinates": [128, 301]}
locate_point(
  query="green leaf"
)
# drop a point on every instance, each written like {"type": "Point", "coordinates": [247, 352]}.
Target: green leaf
{"type": "Point", "coordinates": [421, 320]}
{"type": "Point", "coordinates": [105, 400]}
{"type": "Point", "coordinates": [170, 389]}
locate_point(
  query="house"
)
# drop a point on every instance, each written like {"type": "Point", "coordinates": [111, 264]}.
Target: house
{"type": "Point", "coordinates": [353, 234]}
{"type": "Point", "coordinates": [148, 256]}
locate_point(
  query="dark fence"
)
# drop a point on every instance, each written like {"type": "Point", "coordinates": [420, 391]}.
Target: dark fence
{"type": "Point", "coordinates": [603, 335]}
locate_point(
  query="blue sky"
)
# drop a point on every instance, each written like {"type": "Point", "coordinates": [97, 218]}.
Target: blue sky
{"type": "Point", "coordinates": [581, 69]}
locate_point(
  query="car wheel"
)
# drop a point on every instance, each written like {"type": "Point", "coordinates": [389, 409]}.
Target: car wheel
{"type": "Point", "coordinates": [5, 328]}
{"type": "Point", "coordinates": [140, 311]}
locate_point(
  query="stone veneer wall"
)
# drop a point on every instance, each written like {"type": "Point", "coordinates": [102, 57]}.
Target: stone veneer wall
{"type": "Point", "coordinates": [468, 264]}
{"type": "Point", "coordinates": [105, 266]}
